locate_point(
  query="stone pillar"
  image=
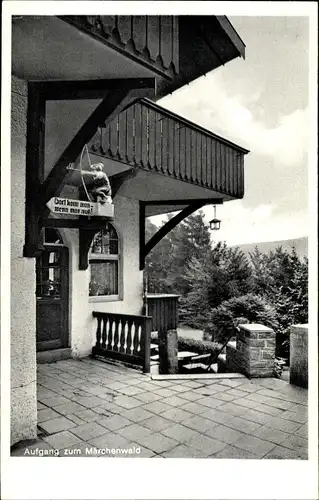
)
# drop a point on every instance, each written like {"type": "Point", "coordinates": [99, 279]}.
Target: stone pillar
{"type": "Point", "coordinates": [254, 353]}
{"type": "Point", "coordinates": [168, 349]}
{"type": "Point", "coordinates": [299, 355]}
{"type": "Point", "coordinates": [23, 300]}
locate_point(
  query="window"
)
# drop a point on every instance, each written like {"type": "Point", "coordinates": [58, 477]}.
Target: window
{"type": "Point", "coordinates": [104, 264]}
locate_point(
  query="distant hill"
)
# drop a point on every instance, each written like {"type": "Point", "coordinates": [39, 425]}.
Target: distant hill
{"type": "Point", "coordinates": [301, 246]}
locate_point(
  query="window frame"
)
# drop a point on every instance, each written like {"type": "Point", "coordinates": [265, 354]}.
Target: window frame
{"type": "Point", "coordinates": [107, 257]}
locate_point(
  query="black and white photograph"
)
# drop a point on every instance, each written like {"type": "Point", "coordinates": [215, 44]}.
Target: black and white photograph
{"type": "Point", "coordinates": [161, 220]}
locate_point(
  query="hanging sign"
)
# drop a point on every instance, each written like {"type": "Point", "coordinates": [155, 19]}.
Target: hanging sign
{"type": "Point", "coordinates": [66, 206]}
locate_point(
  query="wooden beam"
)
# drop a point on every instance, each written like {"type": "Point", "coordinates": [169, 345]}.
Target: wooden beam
{"type": "Point", "coordinates": [91, 89]}
{"type": "Point", "coordinates": [84, 223]}
{"type": "Point", "coordinates": [107, 109]}
{"type": "Point", "coordinates": [117, 180]}
{"type": "Point", "coordinates": [164, 230]}
{"type": "Point", "coordinates": [34, 170]}
{"type": "Point", "coordinates": [142, 234]}
{"type": "Point", "coordinates": [116, 100]}
{"type": "Point", "coordinates": [206, 201]}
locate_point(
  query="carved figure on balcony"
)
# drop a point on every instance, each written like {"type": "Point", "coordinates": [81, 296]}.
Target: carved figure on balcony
{"type": "Point", "coordinates": [99, 188]}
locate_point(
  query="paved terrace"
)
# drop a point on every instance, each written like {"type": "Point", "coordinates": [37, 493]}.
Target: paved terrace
{"type": "Point", "coordinates": [91, 404]}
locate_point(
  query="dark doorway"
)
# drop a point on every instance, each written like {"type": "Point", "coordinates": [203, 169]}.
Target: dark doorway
{"type": "Point", "coordinates": [52, 292]}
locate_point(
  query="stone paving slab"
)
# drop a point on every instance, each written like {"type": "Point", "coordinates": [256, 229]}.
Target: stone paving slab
{"type": "Point", "coordinates": [97, 405]}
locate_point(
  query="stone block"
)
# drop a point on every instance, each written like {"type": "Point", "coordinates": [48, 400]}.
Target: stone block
{"type": "Point", "coordinates": [266, 335]}
{"type": "Point", "coordinates": [268, 354]}
{"type": "Point", "coordinates": [255, 351]}
{"type": "Point", "coordinates": [299, 355]}
{"type": "Point", "coordinates": [168, 350]}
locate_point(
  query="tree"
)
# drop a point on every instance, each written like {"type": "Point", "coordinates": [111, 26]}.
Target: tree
{"type": "Point", "coordinates": [216, 276]}
{"type": "Point", "coordinates": [156, 270]}
{"type": "Point", "coordinates": [167, 262]}
{"type": "Point", "coordinates": [282, 278]}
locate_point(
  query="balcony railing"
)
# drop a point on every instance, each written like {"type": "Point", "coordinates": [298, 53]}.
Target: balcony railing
{"type": "Point", "coordinates": [124, 337]}
{"type": "Point", "coordinates": [148, 136]}
{"type": "Point", "coordinates": [152, 41]}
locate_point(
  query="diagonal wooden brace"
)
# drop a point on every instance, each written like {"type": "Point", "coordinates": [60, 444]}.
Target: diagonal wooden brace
{"type": "Point", "coordinates": [164, 230]}
{"type": "Point", "coordinates": [111, 105]}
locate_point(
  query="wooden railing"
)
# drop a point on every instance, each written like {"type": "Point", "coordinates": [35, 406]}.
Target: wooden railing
{"type": "Point", "coordinates": [150, 40]}
{"type": "Point", "coordinates": [152, 138]}
{"type": "Point", "coordinates": [124, 337]}
{"type": "Point", "coordinates": [163, 308]}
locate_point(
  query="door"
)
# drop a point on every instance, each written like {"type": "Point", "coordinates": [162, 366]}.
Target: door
{"type": "Point", "coordinates": [52, 292]}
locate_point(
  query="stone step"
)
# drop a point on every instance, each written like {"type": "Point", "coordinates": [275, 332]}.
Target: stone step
{"type": "Point", "coordinates": [54, 355]}
{"type": "Point", "coordinates": [201, 357]}
{"type": "Point", "coordinates": [195, 366]}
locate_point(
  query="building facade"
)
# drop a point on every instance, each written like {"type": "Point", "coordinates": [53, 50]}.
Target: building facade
{"type": "Point", "coordinates": [84, 92]}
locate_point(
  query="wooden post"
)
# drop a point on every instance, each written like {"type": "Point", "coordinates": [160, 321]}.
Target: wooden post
{"type": "Point", "coordinates": [168, 352]}
{"type": "Point", "coordinates": [34, 170]}
{"type": "Point", "coordinates": [142, 235]}
{"type": "Point", "coordinates": [147, 345]}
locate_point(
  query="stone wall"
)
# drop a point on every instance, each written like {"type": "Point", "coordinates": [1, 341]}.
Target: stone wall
{"type": "Point", "coordinates": [254, 352]}
{"type": "Point", "coordinates": [299, 355]}
{"type": "Point", "coordinates": [23, 300]}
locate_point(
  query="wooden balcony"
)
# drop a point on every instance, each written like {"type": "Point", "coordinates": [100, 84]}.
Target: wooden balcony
{"type": "Point", "coordinates": [155, 140]}
{"type": "Point", "coordinates": [177, 49]}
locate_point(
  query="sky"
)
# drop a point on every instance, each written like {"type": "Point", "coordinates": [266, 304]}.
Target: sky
{"type": "Point", "coordinates": [260, 103]}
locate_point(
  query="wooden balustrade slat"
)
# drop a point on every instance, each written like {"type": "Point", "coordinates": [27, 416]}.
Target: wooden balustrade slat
{"type": "Point", "coordinates": [166, 39]}
{"type": "Point", "coordinates": [187, 154]}
{"type": "Point", "coordinates": [104, 333]}
{"type": "Point", "coordinates": [227, 159]}
{"type": "Point", "coordinates": [138, 134]}
{"type": "Point", "coordinates": [153, 36]}
{"type": "Point", "coordinates": [114, 137]}
{"type": "Point", "coordinates": [176, 150]}
{"type": "Point", "coordinates": [198, 157]}
{"type": "Point", "coordinates": [110, 333]}
{"type": "Point", "coordinates": [158, 141]}
{"type": "Point", "coordinates": [164, 144]}
{"type": "Point", "coordinates": [217, 165]}
{"type": "Point", "coordinates": [122, 136]}
{"type": "Point", "coordinates": [204, 160]}
{"type": "Point", "coordinates": [170, 146]}
{"type": "Point", "coordinates": [130, 134]}
{"type": "Point", "coordinates": [139, 32]}
{"type": "Point", "coordinates": [122, 336]}
{"type": "Point", "coordinates": [129, 336]}
{"type": "Point", "coordinates": [124, 24]}
{"type": "Point", "coordinates": [193, 155]}
{"type": "Point", "coordinates": [210, 163]}
{"type": "Point", "coordinates": [144, 136]}
{"type": "Point", "coordinates": [151, 138]}
{"type": "Point", "coordinates": [116, 336]}
{"type": "Point", "coordinates": [98, 332]}
{"type": "Point", "coordinates": [136, 340]}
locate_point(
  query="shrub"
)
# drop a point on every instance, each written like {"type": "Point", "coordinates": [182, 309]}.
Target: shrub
{"type": "Point", "coordinates": [248, 308]}
{"type": "Point", "coordinates": [198, 346]}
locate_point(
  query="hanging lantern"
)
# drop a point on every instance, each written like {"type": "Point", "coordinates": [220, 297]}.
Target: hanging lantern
{"type": "Point", "coordinates": [214, 224]}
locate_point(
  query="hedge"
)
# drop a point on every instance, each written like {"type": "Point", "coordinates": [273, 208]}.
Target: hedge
{"type": "Point", "coordinates": [198, 346]}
